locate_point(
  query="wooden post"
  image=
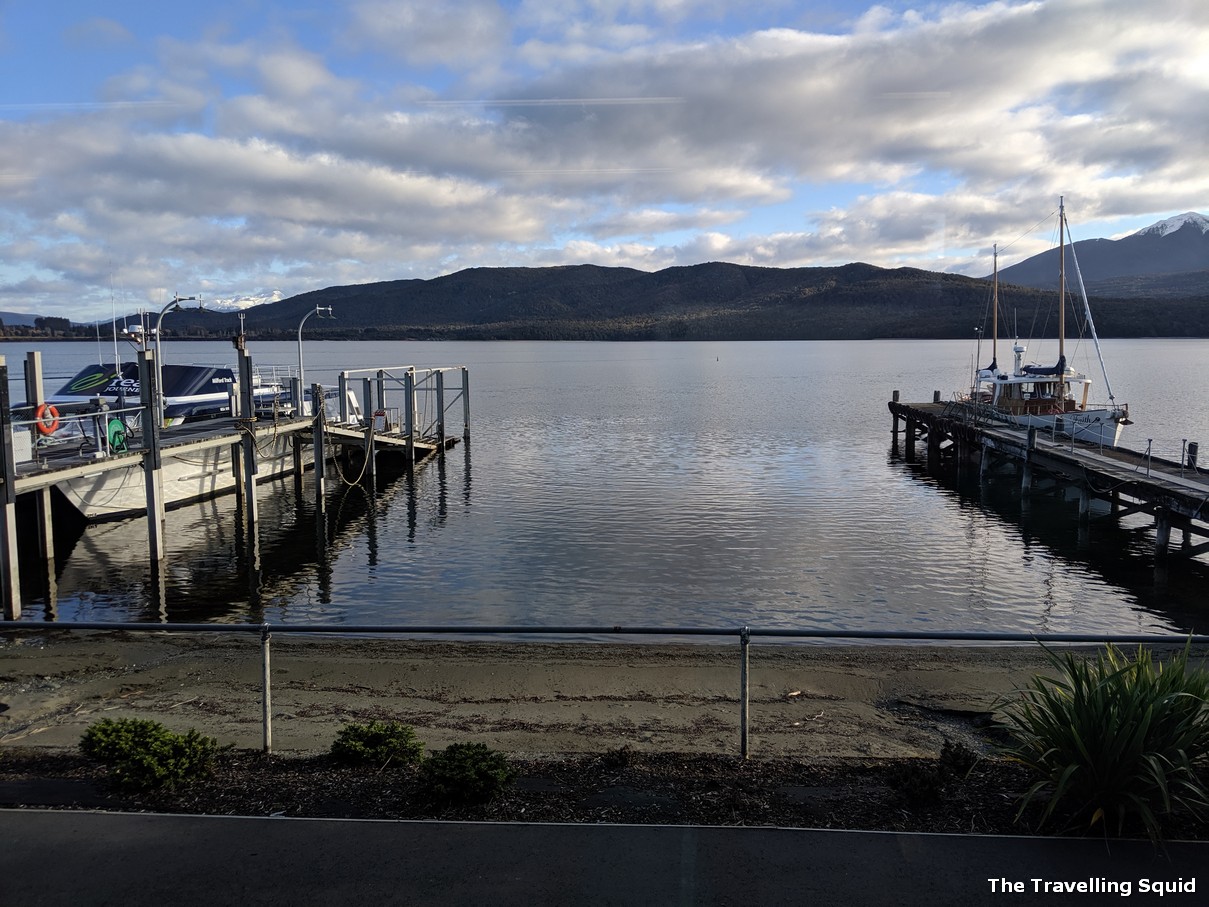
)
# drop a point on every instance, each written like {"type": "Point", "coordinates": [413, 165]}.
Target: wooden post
{"type": "Point", "coordinates": [11, 592]}
{"type": "Point", "coordinates": [371, 464]}
{"type": "Point", "coordinates": [295, 440]}
{"type": "Point", "coordinates": [409, 413]}
{"type": "Point", "coordinates": [249, 468]}
{"type": "Point", "coordinates": [1162, 533]}
{"type": "Point", "coordinates": [35, 394]}
{"type": "Point", "coordinates": [152, 463]}
{"type": "Point", "coordinates": [1026, 472]}
{"type": "Point", "coordinates": [440, 412]}
{"type": "Point", "coordinates": [342, 389]}
{"type": "Point", "coordinates": [910, 438]}
{"type": "Point", "coordinates": [320, 438]}
{"type": "Point", "coordinates": [465, 404]}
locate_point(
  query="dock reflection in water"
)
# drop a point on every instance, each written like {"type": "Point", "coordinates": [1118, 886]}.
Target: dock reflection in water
{"type": "Point", "coordinates": [1045, 528]}
{"type": "Point", "coordinates": [212, 571]}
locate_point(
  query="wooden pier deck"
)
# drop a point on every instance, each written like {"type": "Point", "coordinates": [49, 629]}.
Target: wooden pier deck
{"type": "Point", "coordinates": [1175, 495]}
{"type": "Point", "coordinates": [53, 465]}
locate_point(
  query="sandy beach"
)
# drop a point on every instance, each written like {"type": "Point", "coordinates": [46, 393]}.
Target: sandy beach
{"type": "Point", "coordinates": [522, 698]}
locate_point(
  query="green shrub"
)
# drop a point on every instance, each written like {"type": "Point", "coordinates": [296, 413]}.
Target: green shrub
{"type": "Point", "coordinates": [922, 783]}
{"type": "Point", "coordinates": [145, 755]}
{"type": "Point", "coordinates": [377, 743]}
{"type": "Point", "coordinates": [1114, 740]}
{"type": "Point", "coordinates": [466, 773]}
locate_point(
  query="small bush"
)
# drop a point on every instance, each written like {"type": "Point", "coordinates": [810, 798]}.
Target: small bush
{"type": "Point", "coordinates": [377, 743]}
{"type": "Point", "coordinates": [1114, 740]}
{"type": "Point", "coordinates": [957, 760]}
{"type": "Point", "coordinates": [145, 755]}
{"type": "Point", "coordinates": [466, 773]}
{"type": "Point", "coordinates": [921, 783]}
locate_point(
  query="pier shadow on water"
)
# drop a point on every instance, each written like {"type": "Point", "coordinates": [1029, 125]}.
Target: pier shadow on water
{"type": "Point", "coordinates": [1117, 552]}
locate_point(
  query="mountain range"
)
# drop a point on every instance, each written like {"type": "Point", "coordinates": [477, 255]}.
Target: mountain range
{"type": "Point", "coordinates": [1154, 283]}
{"type": "Point", "coordinates": [1170, 258]}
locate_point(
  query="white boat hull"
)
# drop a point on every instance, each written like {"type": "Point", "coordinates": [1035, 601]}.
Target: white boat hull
{"type": "Point", "coordinates": [121, 493]}
{"type": "Point", "coordinates": [1101, 427]}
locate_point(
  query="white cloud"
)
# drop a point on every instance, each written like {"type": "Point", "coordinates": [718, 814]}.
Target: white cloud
{"type": "Point", "coordinates": [452, 33]}
{"type": "Point", "coordinates": [461, 136]}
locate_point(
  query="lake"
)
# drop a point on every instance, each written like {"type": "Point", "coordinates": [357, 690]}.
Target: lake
{"type": "Point", "coordinates": [665, 484]}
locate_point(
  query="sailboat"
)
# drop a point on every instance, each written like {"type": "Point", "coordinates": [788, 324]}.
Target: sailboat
{"type": "Point", "coordinates": [1050, 398]}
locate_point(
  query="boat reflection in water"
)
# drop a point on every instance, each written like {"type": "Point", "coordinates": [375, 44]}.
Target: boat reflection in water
{"type": "Point", "coordinates": [210, 572]}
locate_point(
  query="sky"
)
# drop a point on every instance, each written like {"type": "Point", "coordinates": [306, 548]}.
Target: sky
{"type": "Point", "coordinates": [243, 150]}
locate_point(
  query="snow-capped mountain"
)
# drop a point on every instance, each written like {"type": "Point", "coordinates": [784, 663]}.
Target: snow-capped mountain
{"type": "Point", "coordinates": [1169, 258]}
{"type": "Point", "coordinates": [1173, 224]}
{"type": "Point", "coordinates": [239, 303]}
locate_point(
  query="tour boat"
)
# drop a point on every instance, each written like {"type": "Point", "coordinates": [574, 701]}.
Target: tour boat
{"type": "Point", "coordinates": [96, 413]}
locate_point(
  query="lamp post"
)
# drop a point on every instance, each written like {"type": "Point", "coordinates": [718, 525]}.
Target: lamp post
{"type": "Point", "coordinates": [173, 306]}
{"type": "Point", "coordinates": [319, 310]}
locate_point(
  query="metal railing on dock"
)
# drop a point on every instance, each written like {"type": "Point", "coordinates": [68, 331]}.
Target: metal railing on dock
{"type": "Point", "coordinates": [264, 632]}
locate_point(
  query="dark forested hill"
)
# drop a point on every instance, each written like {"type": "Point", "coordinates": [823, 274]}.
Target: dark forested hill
{"type": "Point", "coordinates": [713, 301]}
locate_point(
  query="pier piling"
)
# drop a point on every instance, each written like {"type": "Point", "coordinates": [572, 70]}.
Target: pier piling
{"type": "Point", "coordinates": [152, 455]}
{"type": "Point", "coordinates": [11, 577]}
{"type": "Point", "coordinates": [1169, 491]}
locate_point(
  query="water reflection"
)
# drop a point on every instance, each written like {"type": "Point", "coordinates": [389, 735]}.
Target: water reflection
{"type": "Point", "coordinates": [214, 570]}
{"type": "Point", "coordinates": [1107, 551]}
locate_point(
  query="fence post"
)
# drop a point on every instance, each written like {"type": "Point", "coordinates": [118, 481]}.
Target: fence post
{"type": "Point", "coordinates": [266, 689]}
{"type": "Point", "coordinates": [744, 690]}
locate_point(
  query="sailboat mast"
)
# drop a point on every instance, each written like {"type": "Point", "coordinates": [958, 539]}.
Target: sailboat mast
{"type": "Point", "coordinates": [1061, 279]}
{"type": "Point", "coordinates": [995, 309]}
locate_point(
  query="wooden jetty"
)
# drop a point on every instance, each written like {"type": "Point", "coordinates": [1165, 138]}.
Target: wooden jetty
{"type": "Point", "coordinates": [232, 454]}
{"type": "Point", "coordinates": [1174, 494]}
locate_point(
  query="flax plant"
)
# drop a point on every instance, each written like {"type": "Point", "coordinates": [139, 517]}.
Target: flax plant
{"type": "Point", "coordinates": [1114, 740]}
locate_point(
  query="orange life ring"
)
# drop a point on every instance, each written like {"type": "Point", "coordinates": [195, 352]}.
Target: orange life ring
{"type": "Point", "coordinates": [47, 427]}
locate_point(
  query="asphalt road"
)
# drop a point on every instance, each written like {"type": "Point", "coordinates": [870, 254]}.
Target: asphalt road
{"type": "Point", "coordinates": [85, 858]}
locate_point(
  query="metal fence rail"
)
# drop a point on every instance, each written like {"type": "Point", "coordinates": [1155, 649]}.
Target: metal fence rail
{"type": "Point", "coordinates": [744, 634]}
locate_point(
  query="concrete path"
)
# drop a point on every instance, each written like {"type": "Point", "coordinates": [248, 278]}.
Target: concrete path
{"type": "Point", "coordinates": [132, 860]}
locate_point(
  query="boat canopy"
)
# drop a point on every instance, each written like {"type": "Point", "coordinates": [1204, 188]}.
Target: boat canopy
{"type": "Point", "coordinates": [179, 381]}
{"type": "Point", "coordinates": [1059, 369]}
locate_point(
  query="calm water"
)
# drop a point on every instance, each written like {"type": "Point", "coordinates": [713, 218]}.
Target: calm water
{"type": "Point", "coordinates": [667, 484]}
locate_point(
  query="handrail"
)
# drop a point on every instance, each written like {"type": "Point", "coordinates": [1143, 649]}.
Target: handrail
{"type": "Point", "coordinates": [745, 635]}
{"type": "Point", "coordinates": [599, 630]}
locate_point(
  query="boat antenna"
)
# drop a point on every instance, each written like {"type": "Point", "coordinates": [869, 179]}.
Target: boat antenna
{"type": "Point", "coordinates": [113, 323]}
